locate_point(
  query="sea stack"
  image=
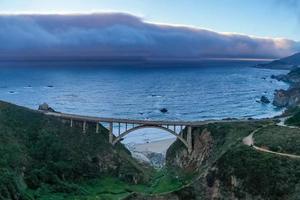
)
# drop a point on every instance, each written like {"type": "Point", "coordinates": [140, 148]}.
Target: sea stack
{"type": "Point", "coordinates": [164, 110]}
{"type": "Point", "coordinates": [264, 99]}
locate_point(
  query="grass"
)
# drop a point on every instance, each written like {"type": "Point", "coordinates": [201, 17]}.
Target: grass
{"type": "Point", "coordinates": [242, 172]}
{"type": "Point", "coordinates": [295, 119]}
{"type": "Point", "coordinates": [225, 135]}
{"type": "Point", "coordinates": [45, 155]}
{"type": "Point", "coordinates": [279, 139]}
{"type": "Point", "coordinates": [112, 188]}
{"type": "Point", "coordinates": [259, 174]}
{"type": "Point", "coordinates": [43, 158]}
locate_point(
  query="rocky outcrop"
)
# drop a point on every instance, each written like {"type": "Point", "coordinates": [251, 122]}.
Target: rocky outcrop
{"type": "Point", "coordinates": [287, 98]}
{"type": "Point", "coordinates": [264, 100]}
{"type": "Point", "coordinates": [156, 159]}
{"type": "Point", "coordinates": [291, 96]}
{"type": "Point", "coordinates": [45, 107]}
{"type": "Point", "coordinates": [163, 110]}
{"type": "Point", "coordinates": [292, 77]}
{"type": "Point", "coordinates": [202, 147]}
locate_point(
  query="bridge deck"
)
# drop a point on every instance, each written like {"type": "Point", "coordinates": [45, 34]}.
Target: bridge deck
{"type": "Point", "coordinates": [132, 121]}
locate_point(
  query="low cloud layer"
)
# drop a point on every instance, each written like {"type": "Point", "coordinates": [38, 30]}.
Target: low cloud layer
{"type": "Point", "coordinates": [122, 35]}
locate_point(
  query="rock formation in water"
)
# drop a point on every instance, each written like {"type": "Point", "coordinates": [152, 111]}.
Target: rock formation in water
{"type": "Point", "coordinates": [291, 96]}
{"type": "Point", "coordinates": [164, 110]}
{"type": "Point", "coordinates": [264, 99]}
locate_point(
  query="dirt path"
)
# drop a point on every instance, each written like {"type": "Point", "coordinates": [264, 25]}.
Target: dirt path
{"type": "Point", "coordinates": [282, 123]}
{"type": "Point", "coordinates": [249, 141]}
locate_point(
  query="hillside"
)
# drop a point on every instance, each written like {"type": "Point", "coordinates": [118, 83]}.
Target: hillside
{"type": "Point", "coordinates": [294, 59]}
{"type": "Point", "coordinates": [224, 168]}
{"type": "Point", "coordinates": [43, 158]}
{"type": "Point", "coordinates": [40, 156]}
{"type": "Point", "coordinates": [284, 63]}
{"type": "Point", "coordinates": [235, 171]}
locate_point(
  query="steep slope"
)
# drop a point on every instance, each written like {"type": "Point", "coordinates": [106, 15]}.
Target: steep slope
{"type": "Point", "coordinates": [40, 153]}
{"type": "Point", "coordinates": [289, 97]}
{"type": "Point", "coordinates": [235, 171]}
{"type": "Point", "coordinates": [284, 63]}
{"type": "Point", "coordinates": [293, 60]}
{"type": "Point", "coordinates": [223, 167]}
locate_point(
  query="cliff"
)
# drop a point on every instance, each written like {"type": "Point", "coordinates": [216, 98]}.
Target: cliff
{"type": "Point", "coordinates": [291, 96]}
{"type": "Point", "coordinates": [223, 167]}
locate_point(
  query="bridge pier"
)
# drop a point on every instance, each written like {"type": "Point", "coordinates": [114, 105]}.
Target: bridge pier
{"type": "Point", "coordinates": [84, 127]}
{"type": "Point", "coordinates": [111, 136]}
{"type": "Point", "coordinates": [189, 139]}
{"type": "Point", "coordinates": [97, 127]}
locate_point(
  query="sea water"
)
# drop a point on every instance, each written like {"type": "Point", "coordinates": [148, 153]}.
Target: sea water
{"type": "Point", "coordinates": [213, 90]}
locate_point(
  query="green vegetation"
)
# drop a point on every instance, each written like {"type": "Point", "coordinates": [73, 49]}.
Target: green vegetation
{"type": "Point", "coordinates": [279, 139]}
{"type": "Point", "coordinates": [224, 136]}
{"type": "Point", "coordinates": [295, 119]}
{"type": "Point", "coordinates": [44, 158]}
{"type": "Point", "coordinates": [233, 169]}
{"type": "Point", "coordinates": [259, 174]}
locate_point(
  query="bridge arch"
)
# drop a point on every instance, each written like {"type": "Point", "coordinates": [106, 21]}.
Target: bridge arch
{"type": "Point", "coordinates": [135, 124]}
{"type": "Point", "coordinates": [179, 136]}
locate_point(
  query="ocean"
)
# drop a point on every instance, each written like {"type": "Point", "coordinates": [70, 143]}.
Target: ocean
{"type": "Point", "coordinates": [208, 90]}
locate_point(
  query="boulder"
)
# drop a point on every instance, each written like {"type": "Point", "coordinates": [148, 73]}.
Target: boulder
{"type": "Point", "coordinates": [264, 99]}
{"type": "Point", "coordinates": [164, 110]}
{"type": "Point", "coordinates": [46, 107]}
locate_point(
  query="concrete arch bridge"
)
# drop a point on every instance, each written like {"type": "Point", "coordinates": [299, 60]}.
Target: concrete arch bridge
{"type": "Point", "coordinates": [126, 126]}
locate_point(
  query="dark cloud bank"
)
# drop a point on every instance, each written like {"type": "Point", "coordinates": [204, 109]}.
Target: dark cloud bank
{"type": "Point", "coordinates": [122, 35]}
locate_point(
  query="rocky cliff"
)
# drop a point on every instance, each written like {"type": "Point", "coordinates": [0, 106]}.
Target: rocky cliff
{"type": "Point", "coordinates": [181, 159]}
{"type": "Point", "coordinates": [287, 98]}
{"type": "Point", "coordinates": [223, 168]}
{"type": "Point", "coordinates": [291, 96]}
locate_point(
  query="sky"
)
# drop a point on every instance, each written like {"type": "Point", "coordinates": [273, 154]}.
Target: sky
{"type": "Point", "coordinates": [256, 28]}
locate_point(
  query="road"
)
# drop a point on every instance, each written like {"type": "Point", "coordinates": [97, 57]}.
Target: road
{"type": "Point", "coordinates": [249, 141]}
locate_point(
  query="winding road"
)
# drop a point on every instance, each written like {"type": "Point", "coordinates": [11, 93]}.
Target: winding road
{"type": "Point", "coordinates": [249, 141]}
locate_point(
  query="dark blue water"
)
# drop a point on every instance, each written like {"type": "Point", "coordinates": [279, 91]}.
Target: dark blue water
{"type": "Point", "coordinates": [209, 91]}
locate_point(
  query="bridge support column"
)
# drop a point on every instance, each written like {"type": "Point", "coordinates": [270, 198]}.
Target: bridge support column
{"type": "Point", "coordinates": [97, 127]}
{"type": "Point", "coordinates": [111, 136]}
{"type": "Point", "coordinates": [84, 127]}
{"type": "Point", "coordinates": [189, 139]}
{"type": "Point", "coordinates": [71, 123]}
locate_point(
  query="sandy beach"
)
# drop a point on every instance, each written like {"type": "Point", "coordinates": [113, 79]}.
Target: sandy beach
{"type": "Point", "coordinates": [160, 146]}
